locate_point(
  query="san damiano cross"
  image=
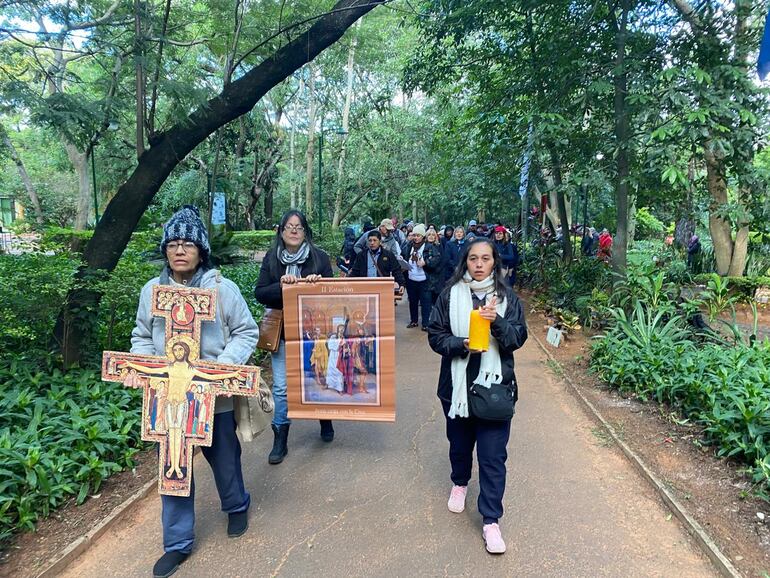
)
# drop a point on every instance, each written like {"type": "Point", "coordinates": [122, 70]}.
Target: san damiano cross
{"type": "Point", "coordinates": [180, 389]}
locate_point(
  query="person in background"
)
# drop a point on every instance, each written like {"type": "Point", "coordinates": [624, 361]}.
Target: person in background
{"type": "Point", "coordinates": [605, 246]}
{"type": "Point", "coordinates": [693, 253]}
{"type": "Point", "coordinates": [477, 284]}
{"type": "Point", "coordinates": [292, 257]}
{"type": "Point", "coordinates": [472, 225]}
{"type": "Point", "coordinates": [345, 261]}
{"type": "Point", "coordinates": [453, 250]}
{"type": "Point", "coordinates": [389, 242]}
{"type": "Point", "coordinates": [377, 261]}
{"type": "Point", "coordinates": [417, 279]}
{"type": "Point", "coordinates": [586, 244]}
{"type": "Point", "coordinates": [230, 338]}
{"type": "Point", "coordinates": [398, 232]}
{"type": "Point", "coordinates": [505, 249]}
{"type": "Point", "coordinates": [448, 235]}
{"type": "Point", "coordinates": [434, 266]}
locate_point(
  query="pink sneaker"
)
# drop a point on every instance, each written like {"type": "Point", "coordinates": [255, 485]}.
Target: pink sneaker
{"type": "Point", "coordinates": [456, 501]}
{"type": "Point", "coordinates": [493, 539]}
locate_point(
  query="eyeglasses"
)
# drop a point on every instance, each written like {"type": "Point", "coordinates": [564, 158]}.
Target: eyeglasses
{"type": "Point", "coordinates": [174, 245]}
{"type": "Point", "coordinates": [294, 228]}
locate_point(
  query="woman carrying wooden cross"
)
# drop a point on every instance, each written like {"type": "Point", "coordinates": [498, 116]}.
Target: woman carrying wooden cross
{"type": "Point", "coordinates": [230, 339]}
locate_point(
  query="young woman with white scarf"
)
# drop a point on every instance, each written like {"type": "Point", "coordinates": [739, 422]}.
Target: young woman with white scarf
{"type": "Point", "coordinates": [477, 283]}
{"type": "Point", "coordinates": [292, 256]}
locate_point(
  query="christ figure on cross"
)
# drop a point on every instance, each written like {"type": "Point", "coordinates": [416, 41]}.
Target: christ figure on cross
{"type": "Point", "coordinates": [180, 388]}
{"type": "Point", "coordinates": [181, 375]}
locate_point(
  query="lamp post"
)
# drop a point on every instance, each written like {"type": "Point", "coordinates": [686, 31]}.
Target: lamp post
{"type": "Point", "coordinates": [320, 169]}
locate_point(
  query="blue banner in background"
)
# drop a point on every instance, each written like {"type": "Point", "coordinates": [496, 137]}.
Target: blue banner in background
{"type": "Point", "coordinates": [763, 62]}
{"type": "Point", "coordinates": [218, 209]}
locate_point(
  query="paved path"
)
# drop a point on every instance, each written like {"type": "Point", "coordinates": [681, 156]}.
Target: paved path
{"type": "Point", "coordinates": [373, 502]}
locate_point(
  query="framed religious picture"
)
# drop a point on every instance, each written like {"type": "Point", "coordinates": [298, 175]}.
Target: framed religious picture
{"type": "Point", "coordinates": [340, 349]}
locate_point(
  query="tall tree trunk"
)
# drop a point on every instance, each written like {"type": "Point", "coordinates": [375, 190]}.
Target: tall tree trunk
{"type": "Point", "coordinates": [310, 154]}
{"type": "Point", "coordinates": [740, 253]}
{"type": "Point", "coordinates": [292, 177]}
{"type": "Point", "coordinates": [620, 81]}
{"type": "Point", "coordinates": [566, 242]}
{"type": "Point", "coordinates": [631, 220]}
{"type": "Point", "coordinates": [121, 215]}
{"type": "Point", "coordinates": [80, 163]}
{"type": "Point", "coordinates": [33, 198]}
{"type": "Point", "coordinates": [721, 231]}
{"type": "Point", "coordinates": [345, 129]}
{"type": "Point", "coordinates": [141, 85]}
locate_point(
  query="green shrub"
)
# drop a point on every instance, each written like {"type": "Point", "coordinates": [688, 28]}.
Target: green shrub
{"type": "Point", "coordinates": [61, 435]}
{"type": "Point", "coordinates": [725, 389]}
{"type": "Point", "coordinates": [59, 239]}
{"type": "Point", "coordinates": [245, 276]}
{"type": "Point", "coordinates": [648, 226]}
{"type": "Point", "coordinates": [120, 298]}
{"type": "Point", "coordinates": [32, 291]}
{"type": "Point", "coordinates": [330, 241]}
{"type": "Point", "coordinates": [254, 240]}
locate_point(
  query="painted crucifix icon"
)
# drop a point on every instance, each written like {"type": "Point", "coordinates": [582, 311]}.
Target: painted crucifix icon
{"type": "Point", "coordinates": [180, 389]}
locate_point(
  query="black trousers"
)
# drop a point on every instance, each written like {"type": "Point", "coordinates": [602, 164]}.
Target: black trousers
{"type": "Point", "coordinates": [490, 439]}
{"type": "Point", "coordinates": [419, 298]}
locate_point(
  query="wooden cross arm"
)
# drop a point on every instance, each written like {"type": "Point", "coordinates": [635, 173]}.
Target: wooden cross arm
{"type": "Point", "coordinates": [115, 364]}
{"type": "Point", "coordinates": [246, 384]}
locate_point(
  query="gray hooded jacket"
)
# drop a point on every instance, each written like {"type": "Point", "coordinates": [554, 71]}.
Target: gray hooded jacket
{"type": "Point", "coordinates": [230, 338]}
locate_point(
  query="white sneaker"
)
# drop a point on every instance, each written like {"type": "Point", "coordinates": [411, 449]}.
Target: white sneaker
{"type": "Point", "coordinates": [493, 539]}
{"type": "Point", "coordinates": [456, 501]}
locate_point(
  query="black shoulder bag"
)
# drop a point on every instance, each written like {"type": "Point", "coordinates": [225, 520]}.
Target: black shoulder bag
{"type": "Point", "coordinates": [494, 403]}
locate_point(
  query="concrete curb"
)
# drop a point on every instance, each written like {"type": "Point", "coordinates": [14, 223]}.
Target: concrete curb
{"type": "Point", "coordinates": [709, 547]}
{"type": "Point", "coordinates": [57, 565]}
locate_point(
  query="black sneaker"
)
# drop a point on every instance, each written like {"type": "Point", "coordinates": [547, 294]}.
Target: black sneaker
{"type": "Point", "coordinates": [327, 431]}
{"type": "Point", "coordinates": [237, 524]}
{"type": "Point", "coordinates": [168, 563]}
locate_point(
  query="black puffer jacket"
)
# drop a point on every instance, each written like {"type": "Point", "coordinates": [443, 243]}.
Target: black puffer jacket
{"type": "Point", "coordinates": [510, 332]}
{"type": "Point", "coordinates": [434, 267]}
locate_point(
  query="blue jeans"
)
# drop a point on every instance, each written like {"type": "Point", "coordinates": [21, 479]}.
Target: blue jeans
{"type": "Point", "coordinates": [490, 439]}
{"type": "Point", "coordinates": [224, 457]}
{"type": "Point", "coordinates": [280, 416]}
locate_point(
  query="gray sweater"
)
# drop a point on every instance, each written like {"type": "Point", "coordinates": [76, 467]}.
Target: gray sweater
{"type": "Point", "coordinates": [230, 338]}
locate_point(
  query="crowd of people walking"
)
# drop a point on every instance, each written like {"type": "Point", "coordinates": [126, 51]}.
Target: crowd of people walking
{"type": "Point", "coordinates": [449, 273]}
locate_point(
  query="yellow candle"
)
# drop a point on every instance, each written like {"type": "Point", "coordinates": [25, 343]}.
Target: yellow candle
{"type": "Point", "coordinates": [479, 332]}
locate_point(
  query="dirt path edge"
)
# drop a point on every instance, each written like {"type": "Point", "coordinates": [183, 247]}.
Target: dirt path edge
{"type": "Point", "coordinates": [83, 543]}
{"type": "Point", "coordinates": [707, 545]}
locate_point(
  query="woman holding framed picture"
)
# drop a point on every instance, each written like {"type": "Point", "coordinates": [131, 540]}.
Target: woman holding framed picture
{"type": "Point", "coordinates": [292, 257]}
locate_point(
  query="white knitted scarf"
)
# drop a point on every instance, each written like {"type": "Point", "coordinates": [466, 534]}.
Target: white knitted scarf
{"type": "Point", "coordinates": [490, 370]}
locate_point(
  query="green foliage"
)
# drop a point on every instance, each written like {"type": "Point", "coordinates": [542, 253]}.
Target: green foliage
{"type": "Point", "coordinates": [120, 298]}
{"type": "Point", "coordinates": [743, 287]}
{"type": "Point", "coordinates": [717, 297]}
{"type": "Point", "coordinates": [721, 381]}
{"type": "Point", "coordinates": [61, 239]}
{"type": "Point", "coordinates": [330, 241]}
{"type": "Point", "coordinates": [33, 288]}
{"type": "Point", "coordinates": [61, 435]}
{"type": "Point", "coordinates": [254, 240]}
{"type": "Point", "coordinates": [644, 285]}
{"type": "Point", "coordinates": [648, 226]}
{"type": "Point", "coordinates": [225, 250]}
{"type": "Point", "coordinates": [245, 276]}
{"type": "Point", "coordinates": [725, 389]}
